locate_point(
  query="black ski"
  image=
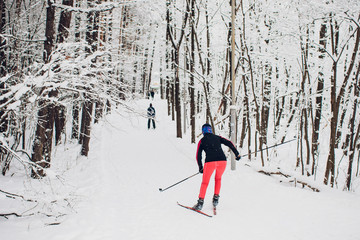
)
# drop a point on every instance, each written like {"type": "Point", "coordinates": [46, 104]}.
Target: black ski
{"type": "Point", "coordinates": [190, 208]}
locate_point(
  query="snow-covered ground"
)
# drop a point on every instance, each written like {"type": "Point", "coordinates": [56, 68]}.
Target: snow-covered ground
{"type": "Point", "coordinates": [114, 194]}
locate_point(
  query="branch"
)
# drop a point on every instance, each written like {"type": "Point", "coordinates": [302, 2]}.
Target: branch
{"type": "Point", "coordinates": [295, 181]}
{"type": "Point", "coordinates": [33, 165]}
{"type": "Point", "coordinates": [13, 196]}
{"type": "Point", "coordinates": [353, 20]}
{"type": "Point", "coordinates": [170, 34]}
{"type": "Point", "coordinates": [169, 29]}
{"type": "Point", "coordinates": [22, 40]}
{"type": "Point", "coordinates": [5, 215]}
{"type": "Point", "coordinates": [99, 8]}
{"type": "Point", "coordinates": [352, 63]}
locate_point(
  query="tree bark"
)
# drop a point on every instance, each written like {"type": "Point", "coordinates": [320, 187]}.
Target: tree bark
{"type": "Point", "coordinates": [176, 48]}
{"type": "Point", "coordinates": [60, 118]}
{"type": "Point", "coordinates": [353, 137]}
{"type": "Point", "coordinates": [330, 164]}
{"type": "Point", "coordinates": [3, 68]}
{"type": "Point", "coordinates": [319, 99]}
{"type": "Point", "coordinates": [50, 31]}
{"type": "Point", "coordinates": [75, 120]}
{"type": "Point", "coordinates": [64, 22]}
{"type": "Point", "coordinates": [336, 99]}
{"type": "Point", "coordinates": [192, 72]}
{"type": "Point", "coordinates": [63, 33]}
{"type": "Point", "coordinates": [86, 127]}
{"type": "Point", "coordinates": [43, 136]}
{"type": "Point", "coordinates": [3, 64]}
{"type": "Point", "coordinates": [92, 32]}
{"type": "Point", "coordinates": [45, 123]}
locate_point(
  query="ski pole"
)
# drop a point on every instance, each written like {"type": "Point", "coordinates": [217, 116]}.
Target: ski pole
{"type": "Point", "coordinates": [161, 190]}
{"type": "Point", "coordinates": [268, 147]}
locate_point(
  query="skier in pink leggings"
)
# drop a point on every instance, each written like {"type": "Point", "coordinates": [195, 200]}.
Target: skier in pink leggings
{"type": "Point", "coordinates": [215, 161]}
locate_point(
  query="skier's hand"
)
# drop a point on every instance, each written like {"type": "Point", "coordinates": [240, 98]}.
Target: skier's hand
{"type": "Point", "coordinates": [238, 158]}
{"type": "Point", "coordinates": [201, 169]}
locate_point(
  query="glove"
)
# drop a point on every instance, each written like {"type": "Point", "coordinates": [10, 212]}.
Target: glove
{"type": "Point", "coordinates": [201, 169]}
{"type": "Point", "coordinates": [238, 158]}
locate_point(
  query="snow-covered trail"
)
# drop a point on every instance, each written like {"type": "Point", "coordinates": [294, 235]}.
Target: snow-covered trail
{"type": "Point", "coordinates": [129, 163]}
{"type": "Point", "coordinates": [134, 162]}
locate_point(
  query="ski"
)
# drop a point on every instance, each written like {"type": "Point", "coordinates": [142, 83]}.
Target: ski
{"type": "Point", "coordinates": [190, 208]}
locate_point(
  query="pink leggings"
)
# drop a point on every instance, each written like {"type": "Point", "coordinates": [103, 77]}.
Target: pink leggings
{"type": "Point", "coordinates": [209, 168]}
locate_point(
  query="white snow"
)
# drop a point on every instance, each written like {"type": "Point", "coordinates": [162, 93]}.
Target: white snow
{"type": "Point", "coordinates": [114, 194]}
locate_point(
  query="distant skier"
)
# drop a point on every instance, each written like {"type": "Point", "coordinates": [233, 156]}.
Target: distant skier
{"type": "Point", "coordinates": [152, 94]}
{"type": "Point", "coordinates": [151, 116]}
{"type": "Point", "coordinates": [215, 161]}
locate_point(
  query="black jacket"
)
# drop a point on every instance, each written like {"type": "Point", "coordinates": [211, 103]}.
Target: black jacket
{"type": "Point", "coordinates": [211, 144]}
{"type": "Point", "coordinates": [151, 112]}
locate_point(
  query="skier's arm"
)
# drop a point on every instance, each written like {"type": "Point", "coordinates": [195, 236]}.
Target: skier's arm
{"type": "Point", "coordinates": [230, 145]}
{"type": "Point", "coordinates": [199, 156]}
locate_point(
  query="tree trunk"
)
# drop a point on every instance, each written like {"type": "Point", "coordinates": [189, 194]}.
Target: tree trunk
{"type": "Point", "coordinates": [50, 31]}
{"type": "Point", "coordinates": [336, 99]}
{"type": "Point", "coordinates": [176, 48]}
{"type": "Point", "coordinates": [64, 22]}
{"type": "Point", "coordinates": [3, 64]}
{"type": "Point", "coordinates": [64, 25]}
{"type": "Point", "coordinates": [45, 124]}
{"type": "Point", "coordinates": [151, 64]}
{"type": "Point", "coordinates": [86, 126]}
{"type": "Point", "coordinates": [330, 164]}
{"type": "Point", "coordinates": [3, 67]}
{"type": "Point", "coordinates": [265, 109]}
{"type": "Point", "coordinates": [161, 79]}
{"type": "Point", "coordinates": [145, 82]}
{"type": "Point", "coordinates": [92, 32]}
{"type": "Point", "coordinates": [318, 101]}
{"type": "Point", "coordinates": [43, 137]}
{"type": "Point", "coordinates": [177, 96]}
{"type": "Point", "coordinates": [60, 118]}
{"type": "Point", "coordinates": [99, 109]}
{"type": "Point", "coordinates": [75, 120]}
{"type": "Point", "coordinates": [192, 72]}
{"type": "Point", "coordinates": [353, 136]}
{"type": "Point", "coordinates": [304, 111]}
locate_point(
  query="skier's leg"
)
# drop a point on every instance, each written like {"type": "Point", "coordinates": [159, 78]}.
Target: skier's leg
{"type": "Point", "coordinates": [220, 169]}
{"type": "Point", "coordinates": [209, 168]}
{"type": "Point", "coordinates": [149, 123]}
{"type": "Point", "coordinates": [153, 123]}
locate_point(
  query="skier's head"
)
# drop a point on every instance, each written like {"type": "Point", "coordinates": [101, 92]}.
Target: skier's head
{"type": "Point", "coordinates": [150, 105]}
{"type": "Point", "coordinates": [206, 128]}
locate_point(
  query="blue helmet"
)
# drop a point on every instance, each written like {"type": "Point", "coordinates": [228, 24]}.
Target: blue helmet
{"type": "Point", "coordinates": [206, 128]}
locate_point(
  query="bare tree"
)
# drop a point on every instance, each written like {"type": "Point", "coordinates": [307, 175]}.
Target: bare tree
{"type": "Point", "coordinates": [44, 129]}
{"type": "Point", "coordinates": [3, 63]}
{"type": "Point", "coordinates": [63, 33]}
{"type": "Point", "coordinates": [336, 98]}
{"type": "Point", "coordinates": [353, 137]}
{"type": "Point", "coordinates": [192, 71]}
{"type": "Point", "coordinates": [87, 107]}
{"type": "Point", "coordinates": [176, 47]}
{"type": "Point", "coordinates": [319, 98]}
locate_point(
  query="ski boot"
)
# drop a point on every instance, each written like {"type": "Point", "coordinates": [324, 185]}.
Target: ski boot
{"type": "Point", "coordinates": [216, 200]}
{"type": "Point", "coordinates": [199, 204]}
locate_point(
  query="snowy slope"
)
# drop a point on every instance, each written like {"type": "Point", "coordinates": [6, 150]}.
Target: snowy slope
{"type": "Point", "coordinates": [118, 197]}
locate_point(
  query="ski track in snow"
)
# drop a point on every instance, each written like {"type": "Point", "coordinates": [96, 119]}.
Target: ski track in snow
{"type": "Point", "coordinates": [129, 163]}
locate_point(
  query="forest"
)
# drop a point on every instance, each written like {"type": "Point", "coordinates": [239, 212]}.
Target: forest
{"type": "Point", "coordinates": [64, 64]}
